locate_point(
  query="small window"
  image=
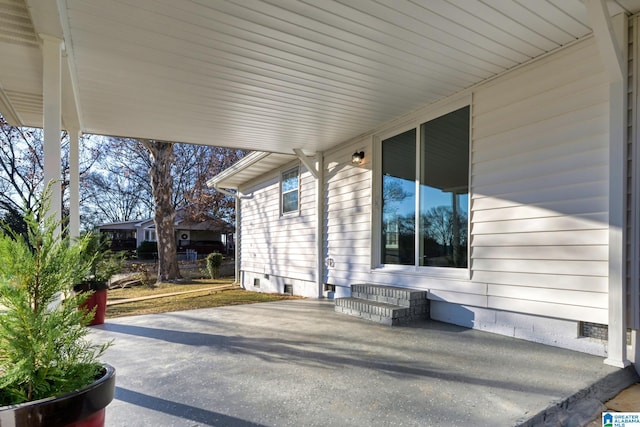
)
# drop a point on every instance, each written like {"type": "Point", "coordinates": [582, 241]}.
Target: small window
{"type": "Point", "coordinates": [290, 191]}
{"type": "Point", "coordinates": [150, 235]}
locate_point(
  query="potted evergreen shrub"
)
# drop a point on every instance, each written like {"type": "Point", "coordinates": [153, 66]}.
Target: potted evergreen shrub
{"type": "Point", "coordinates": [49, 371]}
{"type": "Point", "coordinates": [103, 263]}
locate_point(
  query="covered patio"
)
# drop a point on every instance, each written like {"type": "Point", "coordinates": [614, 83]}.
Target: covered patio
{"type": "Point", "coordinates": [301, 78]}
{"type": "Point", "coordinates": [281, 77]}
{"type": "Point", "coordinates": [295, 363]}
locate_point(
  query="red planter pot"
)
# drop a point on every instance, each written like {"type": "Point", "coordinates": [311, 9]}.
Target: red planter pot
{"type": "Point", "coordinates": [97, 300]}
{"type": "Point", "coordinates": [82, 408]}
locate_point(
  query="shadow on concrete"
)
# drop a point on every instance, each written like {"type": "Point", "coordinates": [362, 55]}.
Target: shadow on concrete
{"type": "Point", "coordinates": [301, 363]}
{"type": "Point", "coordinates": [330, 355]}
{"type": "Point", "coordinates": [181, 410]}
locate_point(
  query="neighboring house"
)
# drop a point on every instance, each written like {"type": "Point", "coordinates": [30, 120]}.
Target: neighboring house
{"type": "Point", "coordinates": [123, 235]}
{"type": "Point", "coordinates": [504, 202]}
{"type": "Point", "coordinates": [202, 237]}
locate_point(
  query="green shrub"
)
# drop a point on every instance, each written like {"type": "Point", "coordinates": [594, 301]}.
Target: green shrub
{"type": "Point", "coordinates": [43, 347]}
{"type": "Point", "coordinates": [214, 261]}
{"type": "Point", "coordinates": [148, 250]}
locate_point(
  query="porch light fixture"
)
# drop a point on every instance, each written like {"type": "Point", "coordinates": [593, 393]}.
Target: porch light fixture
{"type": "Point", "coordinates": [357, 158]}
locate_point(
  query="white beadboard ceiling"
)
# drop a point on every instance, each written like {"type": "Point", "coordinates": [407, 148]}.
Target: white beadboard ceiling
{"type": "Point", "coordinates": [268, 75]}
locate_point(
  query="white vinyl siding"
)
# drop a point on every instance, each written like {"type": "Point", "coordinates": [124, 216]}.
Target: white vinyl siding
{"type": "Point", "coordinates": [273, 244]}
{"type": "Point", "coordinates": [347, 217]}
{"type": "Point", "coordinates": [540, 188]}
{"type": "Point", "coordinates": [538, 207]}
{"type": "Point", "coordinates": [538, 197]}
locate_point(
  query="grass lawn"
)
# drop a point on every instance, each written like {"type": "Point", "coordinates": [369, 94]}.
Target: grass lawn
{"type": "Point", "coordinates": [205, 298]}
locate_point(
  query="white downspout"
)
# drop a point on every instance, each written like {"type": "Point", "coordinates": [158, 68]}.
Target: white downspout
{"type": "Point", "coordinates": [236, 243]}
{"type": "Point", "coordinates": [320, 267]}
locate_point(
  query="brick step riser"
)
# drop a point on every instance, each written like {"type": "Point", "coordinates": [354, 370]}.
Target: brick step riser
{"type": "Point", "coordinates": [365, 306]}
{"type": "Point", "coordinates": [387, 305]}
{"type": "Point", "coordinates": [385, 320]}
{"type": "Point", "coordinates": [389, 295]}
{"type": "Point", "coordinates": [404, 302]}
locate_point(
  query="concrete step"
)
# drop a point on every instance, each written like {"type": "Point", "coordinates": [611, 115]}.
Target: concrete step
{"type": "Point", "coordinates": [389, 294]}
{"type": "Point", "coordinates": [388, 305]}
{"type": "Point", "coordinates": [386, 314]}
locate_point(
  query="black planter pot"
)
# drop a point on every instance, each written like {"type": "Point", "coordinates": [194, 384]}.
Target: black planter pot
{"type": "Point", "coordinates": [82, 408]}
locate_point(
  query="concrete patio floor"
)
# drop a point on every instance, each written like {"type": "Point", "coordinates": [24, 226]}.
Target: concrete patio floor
{"type": "Point", "coordinates": [298, 363]}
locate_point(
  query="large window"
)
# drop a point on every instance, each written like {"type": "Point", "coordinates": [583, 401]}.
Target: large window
{"type": "Point", "coordinates": [399, 198]}
{"type": "Point", "coordinates": [290, 191]}
{"type": "Point", "coordinates": [425, 188]}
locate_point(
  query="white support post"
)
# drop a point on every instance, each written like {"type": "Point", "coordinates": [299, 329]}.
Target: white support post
{"type": "Point", "coordinates": [74, 183]}
{"type": "Point", "coordinates": [317, 172]}
{"type": "Point", "coordinates": [617, 341]}
{"type": "Point", "coordinates": [236, 196]}
{"type": "Point", "coordinates": [52, 96]}
{"type": "Point", "coordinates": [634, 274]}
{"type": "Point", "coordinates": [611, 36]}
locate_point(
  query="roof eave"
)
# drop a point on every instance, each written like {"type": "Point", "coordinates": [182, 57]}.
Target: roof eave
{"type": "Point", "coordinates": [245, 163]}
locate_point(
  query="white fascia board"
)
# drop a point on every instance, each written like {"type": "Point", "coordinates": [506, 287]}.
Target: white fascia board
{"type": "Point", "coordinates": [234, 169]}
{"type": "Point", "coordinates": [119, 225]}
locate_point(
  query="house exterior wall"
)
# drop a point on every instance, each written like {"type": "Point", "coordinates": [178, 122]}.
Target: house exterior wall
{"type": "Point", "coordinates": [348, 228]}
{"type": "Point", "coordinates": [538, 209]}
{"type": "Point", "coordinates": [147, 225]}
{"type": "Point", "coordinates": [540, 188]}
{"type": "Point", "coordinates": [275, 249]}
{"type": "Point", "coordinates": [540, 179]}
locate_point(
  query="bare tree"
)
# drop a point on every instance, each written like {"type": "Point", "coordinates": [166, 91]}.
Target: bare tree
{"type": "Point", "coordinates": [448, 229]}
{"type": "Point", "coordinates": [440, 221]}
{"type": "Point", "coordinates": [114, 197]}
{"type": "Point", "coordinates": [129, 160]}
{"type": "Point", "coordinates": [22, 171]}
{"type": "Point", "coordinates": [164, 177]}
{"type": "Point", "coordinates": [119, 188]}
{"type": "Point", "coordinates": [162, 186]}
{"type": "Point", "coordinates": [196, 199]}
